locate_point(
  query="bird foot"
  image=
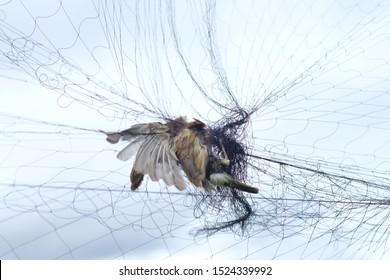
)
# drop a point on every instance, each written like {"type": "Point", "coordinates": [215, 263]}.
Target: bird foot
{"type": "Point", "coordinates": [225, 161]}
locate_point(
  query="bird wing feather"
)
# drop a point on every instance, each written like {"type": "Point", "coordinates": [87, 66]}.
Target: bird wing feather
{"type": "Point", "coordinates": [155, 158]}
{"type": "Point", "coordinates": [154, 154]}
{"type": "Point", "coordinates": [130, 150]}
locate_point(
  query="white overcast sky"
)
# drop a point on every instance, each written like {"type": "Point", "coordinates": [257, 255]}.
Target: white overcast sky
{"type": "Point", "coordinates": [63, 192]}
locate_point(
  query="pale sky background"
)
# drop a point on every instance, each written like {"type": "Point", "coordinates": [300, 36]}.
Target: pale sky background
{"type": "Point", "coordinates": [318, 71]}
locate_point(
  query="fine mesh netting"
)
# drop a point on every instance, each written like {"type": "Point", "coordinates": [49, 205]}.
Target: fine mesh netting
{"type": "Point", "coordinates": [297, 90]}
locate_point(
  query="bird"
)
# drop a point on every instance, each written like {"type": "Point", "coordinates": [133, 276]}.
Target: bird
{"type": "Point", "coordinates": [163, 151]}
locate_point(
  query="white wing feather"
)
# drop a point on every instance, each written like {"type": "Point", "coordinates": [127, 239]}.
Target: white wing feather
{"type": "Point", "coordinates": [130, 150]}
{"type": "Point", "coordinates": [156, 159]}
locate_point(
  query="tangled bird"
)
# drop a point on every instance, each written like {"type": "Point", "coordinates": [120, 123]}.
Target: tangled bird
{"type": "Point", "coordinates": [163, 151]}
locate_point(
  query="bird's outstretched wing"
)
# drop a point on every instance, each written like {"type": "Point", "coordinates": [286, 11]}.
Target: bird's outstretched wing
{"type": "Point", "coordinates": [156, 158]}
{"type": "Point", "coordinates": [154, 154]}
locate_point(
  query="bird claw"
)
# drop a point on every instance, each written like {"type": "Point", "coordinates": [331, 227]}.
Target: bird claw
{"type": "Point", "coordinates": [225, 161]}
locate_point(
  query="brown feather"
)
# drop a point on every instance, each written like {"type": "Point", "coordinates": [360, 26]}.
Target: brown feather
{"type": "Point", "coordinates": [192, 155]}
{"type": "Point", "coordinates": [136, 179]}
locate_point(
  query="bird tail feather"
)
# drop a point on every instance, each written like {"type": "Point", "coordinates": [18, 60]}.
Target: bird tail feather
{"type": "Point", "coordinates": [243, 187]}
